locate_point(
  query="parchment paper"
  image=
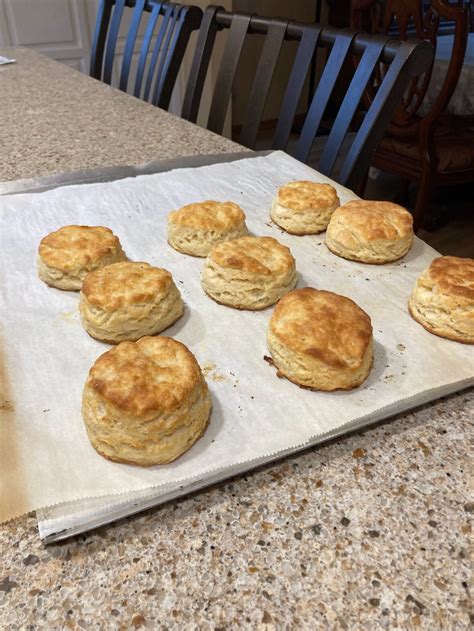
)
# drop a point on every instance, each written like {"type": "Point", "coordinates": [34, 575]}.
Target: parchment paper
{"type": "Point", "coordinates": [45, 457]}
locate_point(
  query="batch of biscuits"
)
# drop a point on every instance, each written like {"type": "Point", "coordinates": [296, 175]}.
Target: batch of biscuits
{"type": "Point", "coordinates": [146, 401]}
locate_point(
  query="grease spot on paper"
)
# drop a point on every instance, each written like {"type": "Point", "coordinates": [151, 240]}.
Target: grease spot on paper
{"type": "Point", "coordinates": [210, 371]}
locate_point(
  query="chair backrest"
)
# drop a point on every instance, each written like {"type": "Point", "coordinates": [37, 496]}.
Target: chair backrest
{"type": "Point", "coordinates": [406, 19]}
{"type": "Point", "coordinates": [404, 60]}
{"type": "Point", "coordinates": [168, 26]}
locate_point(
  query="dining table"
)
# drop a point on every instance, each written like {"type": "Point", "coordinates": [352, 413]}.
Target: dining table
{"type": "Point", "coordinates": [367, 531]}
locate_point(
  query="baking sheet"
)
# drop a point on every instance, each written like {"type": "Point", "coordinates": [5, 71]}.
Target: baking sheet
{"type": "Point", "coordinates": [110, 174]}
{"type": "Point", "coordinates": [64, 520]}
{"type": "Point", "coordinates": [46, 458]}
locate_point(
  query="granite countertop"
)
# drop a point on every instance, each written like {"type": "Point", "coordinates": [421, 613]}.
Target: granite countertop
{"type": "Point", "coordinates": [367, 532]}
{"type": "Point", "coordinates": [55, 119]}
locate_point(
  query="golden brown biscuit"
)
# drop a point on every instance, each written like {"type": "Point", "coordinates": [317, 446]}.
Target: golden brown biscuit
{"type": "Point", "coordinates": [67, 255]}
{"type": "Point", "coordinates": [304, 207]}
{"type": "Point", "coordinates": [320, 340]}
{"type": "Point", "coordinates": [370, 232]}
{"type": "Point", "coordinates": [443, 299]}
{"type": "Point", "coordinates": [249, 273]}
{"type": "Point", "coordinates": [194, 229]}
{"type": "Point", "coordinates": [127, 300]}
{"type": "Point", "coordinates": [145, 402]}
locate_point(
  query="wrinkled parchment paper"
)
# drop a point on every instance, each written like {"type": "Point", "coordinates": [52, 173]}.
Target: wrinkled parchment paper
{"type": "Point", "coordinates": [45, 457]}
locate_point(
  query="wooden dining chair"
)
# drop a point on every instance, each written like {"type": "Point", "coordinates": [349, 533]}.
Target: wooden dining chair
{"type": "Point", "coordinates": [404, 59]}
{"type": "Point", "coordinates": [433, 148]}
{"type": "Point", "coordinates": [168, 26]}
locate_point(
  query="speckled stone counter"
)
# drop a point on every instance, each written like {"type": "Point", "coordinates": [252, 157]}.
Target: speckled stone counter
{"type": "Point", "coordinates": [371, 531]}
{"type": "Point", "coordinates": [55, 119]}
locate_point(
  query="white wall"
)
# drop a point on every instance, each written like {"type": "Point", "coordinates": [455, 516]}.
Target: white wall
{"type": "Point", "coordinates": [57, 28]}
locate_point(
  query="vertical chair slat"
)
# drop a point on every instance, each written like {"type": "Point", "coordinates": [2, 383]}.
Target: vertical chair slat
{"type": "Point", "coordinates": [130, 43]}
{"type": "Point", "coordinates": [295, 86]}
{"type": "Point", "coordinates": [364, 71]}
{"type": "Point", "coordinates": [100, 36]}
{"type": "Point", "coordinates": [152, 20]}
{"type": "Point", "coordinates": [156, 50]}
{"type": "Point", "coordinates": [112, 39]}
{"type": "Point", "coordinates": [262, 81]}
{"type": "Point", "coordinates": [323, 92]}
{"type": "Point", "coordinates": [200, 64]}
{"type": "Point", "coordinates": [164, 51]}
{"type": "Point", "coordinates": [189, 20]}
{"type": "Point", "coordinates": [225, 77]}
{"type": "Point", "coordinates": [379, 114]}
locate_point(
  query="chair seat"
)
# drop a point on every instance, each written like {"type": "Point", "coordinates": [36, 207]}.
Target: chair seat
{"type": "Point", "coordinates": [454, 150]}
